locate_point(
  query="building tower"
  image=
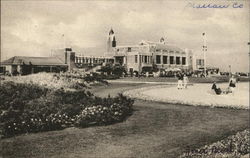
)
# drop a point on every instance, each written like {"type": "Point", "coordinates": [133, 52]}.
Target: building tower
{"type": "Point", "coordinates": [111, 41]}
{"type": "Point", "coordinates": [162, 40]}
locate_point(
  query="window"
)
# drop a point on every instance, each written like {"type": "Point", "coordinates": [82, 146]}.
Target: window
{"type": "Point", "coordinates": [136, 58]}
{"type": "Point", "coordinates": [165, 59]}
{"type": "Point", "coordinates": [171, 59]}
{"type": "Point", "coordinates": [146, 59]}
{"type": "Point", "coordinates": [200, 62]}
{"type": "Point", "coordinates": [158, 59]}
{"type": "Point", "coordinates": [129, 49]}
{"type": "Point", "coordinates": [178, 60]}
{"type": "Point", "coordinates": [183, 60]}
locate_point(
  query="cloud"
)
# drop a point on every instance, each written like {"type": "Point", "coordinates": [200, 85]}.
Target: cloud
{"type": "Point", "coordinates": [137, 20]}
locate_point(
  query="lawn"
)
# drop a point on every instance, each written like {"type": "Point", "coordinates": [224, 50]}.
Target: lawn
{"type": "Point", "coordinates": [154, 130]}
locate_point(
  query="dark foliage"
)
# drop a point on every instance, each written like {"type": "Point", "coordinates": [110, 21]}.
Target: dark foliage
{"type": "Point", "coordinates": [235, 145]}
{"type": "Point", "coordinates": [28, 108]}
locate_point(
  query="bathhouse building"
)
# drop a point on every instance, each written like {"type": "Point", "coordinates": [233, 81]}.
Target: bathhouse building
{"type": "Point", "coordinates": [147, 55]}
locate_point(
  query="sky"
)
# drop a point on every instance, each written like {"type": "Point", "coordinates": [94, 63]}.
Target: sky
{"type": "Point", "coordinates": [35, 28]}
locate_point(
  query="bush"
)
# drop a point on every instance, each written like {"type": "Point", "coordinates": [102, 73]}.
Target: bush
{"type": "Point", "coordinates": [235, 145]}
{"type": "Point", "coordinates": [26, 108]}
{"type": "Point", "coordinates": [113, 110]}
{"type": "Point", "coordinates": [68, 80]}
{"type": "Point", "coordinates": [15, 96]}
{"type": "Point", "coordinates": [94, 77]}
{"type": "Point", "coordinates": [113, 70]}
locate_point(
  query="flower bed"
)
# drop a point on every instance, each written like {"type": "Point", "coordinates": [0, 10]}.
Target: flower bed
{"type": "Point", "coordinates": [115, 109]}
{"type": "Point", "coordinates": [66, 80]}
{"type": "Point", "coordinates": [26, 108]}
{"type": "Point", "coordinates": [234, 146]}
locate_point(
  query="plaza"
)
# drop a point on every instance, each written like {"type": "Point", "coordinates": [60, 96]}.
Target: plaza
{"type": "Point", "coordinates": [195, 95]}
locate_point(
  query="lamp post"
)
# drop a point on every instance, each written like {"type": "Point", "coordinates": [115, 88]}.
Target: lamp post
{"type": "Point", "coordinates": [64, 41]}
{"type": "Point", "coordinates": [230, 72]}
{"type": "Point", "coordinates": [249, 58]}
{"type": "Point", "coordinates": [204, 49]}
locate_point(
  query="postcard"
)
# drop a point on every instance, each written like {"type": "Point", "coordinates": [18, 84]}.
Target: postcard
{"type": "Point", "coordinates": [134, 79]}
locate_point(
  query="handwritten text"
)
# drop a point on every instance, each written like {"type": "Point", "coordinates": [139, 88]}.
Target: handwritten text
{"type": "Point", "coordinates": [214, 5]}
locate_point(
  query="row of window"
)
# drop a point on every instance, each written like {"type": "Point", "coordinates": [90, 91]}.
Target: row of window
{"type": "Point", "coordinates": [143, 59]}
{"type": "Point", "coordinates": [91, 60]}
{"type": "Point", "coordinates": [172, 60]}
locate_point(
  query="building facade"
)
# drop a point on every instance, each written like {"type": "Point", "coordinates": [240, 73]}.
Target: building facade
{"type": "Point", "coordinates": [147, 55]}
{"type": "Point", "coordinates": [27, 65]}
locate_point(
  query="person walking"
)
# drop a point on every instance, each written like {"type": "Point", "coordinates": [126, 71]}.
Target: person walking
{"type": "Point", "coordinates": [185, 81]}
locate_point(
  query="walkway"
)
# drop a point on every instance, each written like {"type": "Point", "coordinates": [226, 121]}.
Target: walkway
{"type": "Point", "coordinates": [197, 95]}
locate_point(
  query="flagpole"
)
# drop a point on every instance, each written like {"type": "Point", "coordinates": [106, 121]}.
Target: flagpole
{"type": "Point", "coordinates": [204, 53]}
{"type": "Point", "coordinates": [64, 42]}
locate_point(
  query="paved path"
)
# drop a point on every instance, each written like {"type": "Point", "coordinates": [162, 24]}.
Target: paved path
{"type": "Point", "coordinates": [197, 95]}
{"type": "Point", "coordinates": [144, 82]}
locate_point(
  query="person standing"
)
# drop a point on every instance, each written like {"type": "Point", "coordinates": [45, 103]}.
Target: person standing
{"type": "Point", "coordinates": [232, 84]}
{"type": "Point", "coordinates": [185, 81]}
{"type": "Point", "coordinates": [180, 81]}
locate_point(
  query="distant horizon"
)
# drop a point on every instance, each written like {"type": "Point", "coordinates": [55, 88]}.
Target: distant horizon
{"type": "Point", "coordinates": [34, 28]}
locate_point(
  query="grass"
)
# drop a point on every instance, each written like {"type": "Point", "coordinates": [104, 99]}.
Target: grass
{"type": "Point", "coordinates": [154, 130]}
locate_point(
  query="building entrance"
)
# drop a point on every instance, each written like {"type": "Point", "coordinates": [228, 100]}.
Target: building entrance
{"type": "Point", "coordinates": [119, 60]}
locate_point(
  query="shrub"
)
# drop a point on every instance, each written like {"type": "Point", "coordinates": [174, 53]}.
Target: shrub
{"type": "Point", "coordinates": [68, 80]}
{"type": "Point", "coordinates": [29, 108]}
{"type": "Point", "coordinates": [94, 77]}
{"type": "Point", "coordinates": [113, 70]}
{"type": "Point", "coordinates": [235, 145]}
{"type": "Point", "coordinates": [113, 110]}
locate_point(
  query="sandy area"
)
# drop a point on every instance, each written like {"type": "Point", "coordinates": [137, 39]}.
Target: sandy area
{"type": "Point", "coordinates": [197, 95]}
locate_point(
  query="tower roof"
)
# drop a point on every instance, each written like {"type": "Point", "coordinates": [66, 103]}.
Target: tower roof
{"type": "Point", "coordinates": [111, 32]}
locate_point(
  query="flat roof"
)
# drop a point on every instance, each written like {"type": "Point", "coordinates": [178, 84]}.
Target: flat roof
{"type": "Point", "coordinates": [26, 60]}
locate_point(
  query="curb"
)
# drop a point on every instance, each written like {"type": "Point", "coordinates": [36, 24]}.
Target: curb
{"type": "Point", "coordinates": [166, 83]}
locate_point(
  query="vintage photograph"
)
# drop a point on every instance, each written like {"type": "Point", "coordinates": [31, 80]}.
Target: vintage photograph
{"type": "Point", "coordinates": [124, 79]}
